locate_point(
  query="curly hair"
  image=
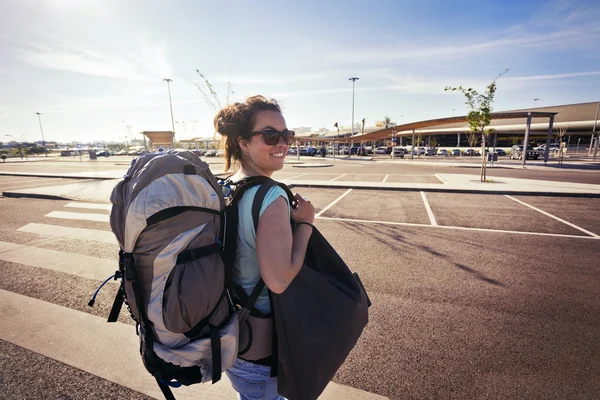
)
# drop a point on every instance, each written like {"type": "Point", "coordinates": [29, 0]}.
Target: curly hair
{"type": "Point", "coordinates": [237, 120]}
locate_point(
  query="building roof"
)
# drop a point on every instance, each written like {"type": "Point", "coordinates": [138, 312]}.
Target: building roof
{"type": "Point", "coordinates": [578, 116]}
{"type": "Point", "coordinates": [159, 138]}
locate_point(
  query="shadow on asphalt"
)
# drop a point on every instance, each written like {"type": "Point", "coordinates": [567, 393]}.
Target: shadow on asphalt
{"type": "Point", "coordinates": [394, 239]}
{"type": "Point", "coordinates": [577, 166]}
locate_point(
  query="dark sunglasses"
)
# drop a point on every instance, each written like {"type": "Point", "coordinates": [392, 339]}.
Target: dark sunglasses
{"type": "Point", "coordinates": [271, 136]}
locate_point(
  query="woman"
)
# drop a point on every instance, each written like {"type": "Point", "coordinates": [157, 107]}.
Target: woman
{"type": "Point", "coordinates": [256, 141]}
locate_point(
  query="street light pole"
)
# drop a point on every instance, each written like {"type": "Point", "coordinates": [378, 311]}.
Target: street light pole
{"type": "Point", "coordinates": [353, 79]}
{"type": "Point", "coordinates": [171, 106]}
{"type": "Point", "coordinates": [535, 102]}
{"type": "Point", "coordinates": [42, 130]}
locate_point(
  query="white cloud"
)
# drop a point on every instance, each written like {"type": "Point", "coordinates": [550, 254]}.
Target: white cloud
{"type": "Point", "coordinates": [555, 76]}
{"type": "Point", "coordinates": [148, 64]}
{"type": "Point", "coordinates": [247, 79]}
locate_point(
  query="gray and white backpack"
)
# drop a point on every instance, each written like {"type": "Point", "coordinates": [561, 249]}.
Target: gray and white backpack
{"type": "Point", "coordinates": [168, 216]}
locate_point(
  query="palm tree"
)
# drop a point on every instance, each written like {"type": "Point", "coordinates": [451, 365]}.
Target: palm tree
{"type": "Point", "coordinates": [388, 121]}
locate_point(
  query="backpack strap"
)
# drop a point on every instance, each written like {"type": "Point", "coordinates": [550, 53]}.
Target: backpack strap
{"type": "Point", "coordinates": [256, 206]}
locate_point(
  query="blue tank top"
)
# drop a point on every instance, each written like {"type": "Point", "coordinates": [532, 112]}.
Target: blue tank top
{"type": "Point", "coordinates": [246, 271]}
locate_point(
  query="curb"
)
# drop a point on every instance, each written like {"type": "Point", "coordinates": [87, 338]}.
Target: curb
{"type": "Point", "coordinates": [36, 174]}
{"type": "Point", "coordinates": [34, 196]}
{"type": "Point", "coordinates": [448, 190]}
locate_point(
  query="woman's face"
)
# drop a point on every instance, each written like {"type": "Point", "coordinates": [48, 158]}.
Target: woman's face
{"type": "Point", "coordinates": [266, 158]}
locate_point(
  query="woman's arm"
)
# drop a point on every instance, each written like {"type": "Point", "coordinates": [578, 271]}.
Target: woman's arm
{"type": "Point", "coordinates": [281, 253]}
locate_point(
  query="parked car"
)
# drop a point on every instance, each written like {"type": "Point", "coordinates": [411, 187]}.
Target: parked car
{"type": "Point", "coordinates": [307, 151]}
{"type": "Point", "coordinates": [419, 151]}
{"type": "Point", "coordinates": [470, 152]}
{"type": "Point", "coordinates": [430, 151]}
{"type": "Point", "coordinates": [399, 152]}
{"type": "Point", "coordinates": [210, 153]}
{"type": "Point", "coordinates": [103, 153]}
{"type": "Point", "coordinates": [442, 152]}
{"type": "Point", "coordinates": [199, 152]}
{"type": "Point", "coordinates": [456, 152]}
{"type": "Point", "coordinates": [552, 149]}
{"type": "Point", "coordinates": [500, 152]}
{"type": "Point", "coordinates": [516, 153]}
{"type": "Point", "coordinates": [383, 150]}
{"type": "Point", "coordinates": [358, 150]}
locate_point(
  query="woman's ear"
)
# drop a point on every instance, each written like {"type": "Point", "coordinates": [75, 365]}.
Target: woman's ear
{"type": "Point", "coordinates": [243, 142]}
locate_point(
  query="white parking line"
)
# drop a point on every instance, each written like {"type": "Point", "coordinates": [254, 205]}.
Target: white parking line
{"type": "Point", "coordinates": [333, 203]}
{"type": "Point", "coordinates": [384, 179]}
{"type": "Point", "coordinates": [337, 177]}
{"type": "Point", "coordinates": [555, 217]}
{"type": "Point", "coordinates": [429, 212]}
{"type": "Point", "coordinates": [294, 177]}
{"type": "Point", "coordinates": [463, 228]}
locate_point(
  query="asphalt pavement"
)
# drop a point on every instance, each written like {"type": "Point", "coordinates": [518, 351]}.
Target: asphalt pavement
{"type": "Point", "coordinates": [476, 294]}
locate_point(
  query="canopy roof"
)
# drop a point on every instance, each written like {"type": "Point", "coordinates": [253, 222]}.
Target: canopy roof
{"type": "Point", "coordinates": [407, 129]}
{"type": "Point", "coordinates": [159, 138]}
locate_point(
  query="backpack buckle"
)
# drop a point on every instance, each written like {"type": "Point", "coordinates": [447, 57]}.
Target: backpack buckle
{"type": "Point", "coordinates": [127, 265]}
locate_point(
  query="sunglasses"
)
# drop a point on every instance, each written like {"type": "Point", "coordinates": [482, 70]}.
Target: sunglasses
{"type": "Point", "coordinates": [271, 136]}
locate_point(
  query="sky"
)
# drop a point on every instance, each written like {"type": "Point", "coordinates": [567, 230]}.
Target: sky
{"type": "Point", "coordinates": [95, 68]}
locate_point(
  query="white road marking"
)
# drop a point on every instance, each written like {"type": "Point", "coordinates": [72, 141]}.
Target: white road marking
{"type": "Point", "coordinates": [337, 177]}
{"type": "Point", "coordinates": [87, 342]}
{"type": "Point", "coordinates": [384, 179]}
{"type": "Point", "coordinates": [68, 263]}
{"type": "Point", "coordinates": [94, 206]}
{"type": "Point", "coordinates": [78, 216]}
{"type": "Point", "coordinates": [333, 203]}
{"type": "Point", "coordinates": [457, 228]}
{"type": "Point", "coordinates": [555, 217]}
{"type": "Point", "coordinates": [429, 212]}
{"type": "Point", "coordinates": [294, 177]}
{"type": "Point", "coordinates": [96, 235]}
{"type": "Point", "coordinates": [20, 179]}
{"type": "Point", "coordinates": [440, 178]}
{"type": "Point", "coordinates": [42, 183]}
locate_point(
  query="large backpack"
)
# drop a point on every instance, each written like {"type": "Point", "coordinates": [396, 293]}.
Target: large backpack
{"type": "Point", "coordinates": [178, 240]}
{"type": "Point", "coordinates": [168, 218]}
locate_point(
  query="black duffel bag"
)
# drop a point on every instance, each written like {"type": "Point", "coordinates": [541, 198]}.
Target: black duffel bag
{"type": "Point", "coordinates": [318, 318]}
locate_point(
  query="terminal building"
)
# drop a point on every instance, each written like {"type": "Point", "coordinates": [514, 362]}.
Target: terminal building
{"type": "Point", "coordinates": [578, 123]}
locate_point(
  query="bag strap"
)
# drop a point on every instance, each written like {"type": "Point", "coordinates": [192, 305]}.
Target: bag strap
{"type": "Point", "coordinates": [259, 198]}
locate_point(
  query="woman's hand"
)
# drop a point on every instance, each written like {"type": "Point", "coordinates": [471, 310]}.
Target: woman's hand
{"type": "Point", "coordinates": [304, 211]}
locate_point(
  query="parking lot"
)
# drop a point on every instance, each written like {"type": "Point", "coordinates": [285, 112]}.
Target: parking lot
{"type": "Point", "coordinates": [474, 295]}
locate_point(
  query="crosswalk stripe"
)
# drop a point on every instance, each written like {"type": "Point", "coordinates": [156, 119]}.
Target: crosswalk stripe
{"type": "Point", "coordinates": [110, 351]}
{"type": "Point", "coordinates": [96, 235]}
{"type": "Point", "coordinates": [93, 206]}
{"type": "Point", "coordinates": [79, 216]}
{"type": "Point", "coordinates": [69, 263]}
{"type": "Point", "coordinates": [87, 342]}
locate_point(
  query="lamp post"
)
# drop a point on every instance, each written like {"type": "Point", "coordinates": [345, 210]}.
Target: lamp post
{"type": "Point", "coordinates": [535, 102]}
{"type": "Point", "coordinates": [353, 79]}
{"type": "Point", "coordinates": [42, 130]}
{"type": "Point", "coordinates": [171, 106]}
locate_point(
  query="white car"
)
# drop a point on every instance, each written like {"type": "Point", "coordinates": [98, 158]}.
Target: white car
{"type": "Point", "coordinates": [442, 152]}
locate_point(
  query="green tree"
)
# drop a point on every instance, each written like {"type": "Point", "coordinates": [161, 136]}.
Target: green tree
{"type": "Point", "coordinates": [387, 121]}
{"type": "Point", "coordinates": [479, 116]}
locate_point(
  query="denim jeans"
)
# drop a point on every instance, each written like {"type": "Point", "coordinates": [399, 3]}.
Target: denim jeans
{"type": "Point", "coordinates": [253, 381]}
